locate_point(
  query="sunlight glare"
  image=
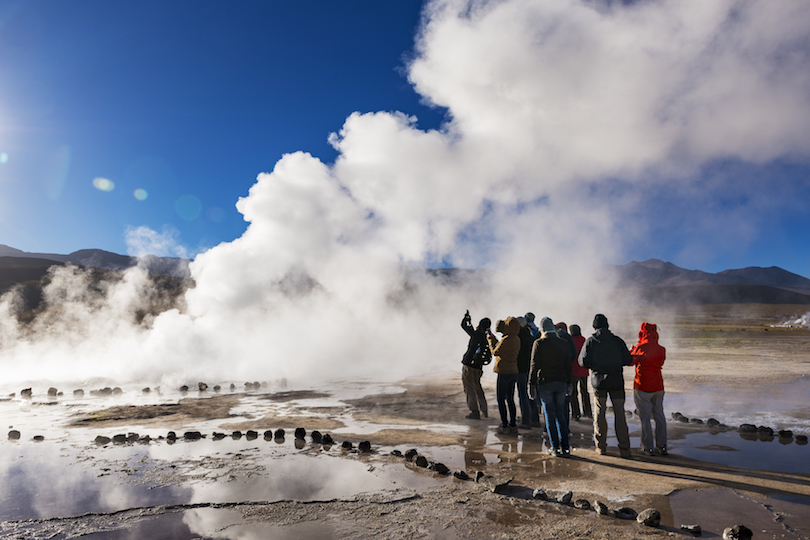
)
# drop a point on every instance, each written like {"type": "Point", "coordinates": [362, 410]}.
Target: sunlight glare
{"type": "Point", "coordinates": [103, 184]}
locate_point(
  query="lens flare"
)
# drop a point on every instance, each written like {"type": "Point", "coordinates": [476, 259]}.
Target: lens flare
{"type": "Point", "coordinates": [140, 194]}
{"type": "Point", "coordinates": [188, 207]}
{"type": "Point", "coordinates": [103, 184]}
{"type": "Point", "coordinates": [3, 157]}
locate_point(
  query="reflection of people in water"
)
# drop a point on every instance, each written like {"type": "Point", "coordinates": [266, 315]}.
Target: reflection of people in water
{"type": "Point", "coordinates": [648, 389]}
{"type": "Point", "coordinates": [474, 458]}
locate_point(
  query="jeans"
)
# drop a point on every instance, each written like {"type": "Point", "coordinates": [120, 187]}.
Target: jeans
{"type": "Point", "coordinates": [650, 405]}
{"type": "Point", "coordinates": [505, 394]}
{"type": "Point", "coordinates": [552, 396]}
{"type": "Point", "coordinates": [523, 397]}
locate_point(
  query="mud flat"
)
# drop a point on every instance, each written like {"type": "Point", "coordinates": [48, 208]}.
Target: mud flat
{"type": "Point", "coordinates": [258, 485]}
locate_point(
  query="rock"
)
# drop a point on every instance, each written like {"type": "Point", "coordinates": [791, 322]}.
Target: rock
{"type": "Point", "coordinates": [678, 417]}
{"type": "Point", "coordinates": [628, 414]}
{"type": "Point", "coordinates": [101, 440]}
{"type": "Point", "coordinates": [13, 435]}
{"type": "Point", "coordinates": [566, 499]}
{"type": "Point", "coordinates": [279, 434]}
{"type": "Point", "coordinates": [540, 494]}
{"type": "Point", "coordinates": [119, 438]}
{"type": "Point", "coordinates": [217, 436]}
{"type": "Point", "coordinates": [493, 483]}
{"type": "Point", "coordinates": [410, 454]}
{"type": "Point", "coordinates": [202, 386]}
{"type": "Point", "coordinates": [440, 468]}
{"type": "Point", "coordinates": [217, 388]}
{"type": "Point", "coordinates": [347, 445]}
{"type": "Point", "coordinates": [316, 436]}
{"type": "Point", "coordinates": [649, 517]}
{"type": "Point", "coordinates": [251, 434]}
{"type": "Point", "coordinates": [300, 443]}
{"type": "Point", "coordinates": [78, 393]}
{"type": "Point", "coordinates": [132, 437]}
{"type": "Point", "coordinates": [737, 532]}
{"type": "Point", "coordinates": [268, 434]}
{"type": "Point", "coordinates": [171, 435]}
{"type": "Point", "coordinates": [625, 512]}
{"type": "Point", "coordinates": [748, 428]}
{"type": "Point", "coordinates": [38, 438]}
{"type": "Point", "coordinates": [52, 392]}
{"type": "Point", "coordinates": [785, 434]}
{"type": "Point", "coordinates": [184, 388]}
{"type": "Point", "coordinates": [364, 446]}
{"type": "Point", "coordinates": [117, 391]}
{"type": "Point", "coordinates": [695, 421]}
{"type": "Point", "coordinates": [233, 387]}
{"type": "Point", "coordinates": [327, 440]}
{"type": "Point", "coordinates": [801, 439]}
{"type": "Point", "coordinates": [582, 504]}
{"type": "Point", "coordinates": [694, 529]}
{"type": "Point", "coordinates": [765, 430]}
{"type": "Point", "coordinates": [300, 433]}
{"type": "Point", "coordinates": [396, 453]}
{"type": "Point", "coordinates": [601, 508]}
{"type": "Point", "coordinates": [478, 475]}
{"type": "Point", "coordinates": [461, 475]}
{"type": "Point", "coordinates": [236, 435]}
{"type": "Point", "coordinates": [26, 393]}
{"type": "Point", "coordinates": [421, 461]}
{"type": "Point", "coordinates": [192, 435]}
{"type": "Point", "coordinates": [146, 439]}
{"type": "Point", "coordinates": [146, 390]}
{"type": "Point", "coordinates": [712, 422]}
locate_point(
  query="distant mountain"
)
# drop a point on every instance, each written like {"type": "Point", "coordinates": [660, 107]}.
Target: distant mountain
{"type": "Point", "coordinates": [654, 272]}
{"type": "Point", "coordinates": [105, 260]}
{"type": "Point", "coordinates": [663, 283]}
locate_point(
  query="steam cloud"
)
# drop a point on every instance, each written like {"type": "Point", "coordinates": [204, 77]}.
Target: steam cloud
{"type": "Point", "coordinates": [576, 130]}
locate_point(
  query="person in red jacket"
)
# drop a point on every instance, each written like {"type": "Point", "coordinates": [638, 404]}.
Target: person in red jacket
{"type": "Point", "coordinates": [579, 380]}
{"type": "Point", "coordinates": [648, 388]}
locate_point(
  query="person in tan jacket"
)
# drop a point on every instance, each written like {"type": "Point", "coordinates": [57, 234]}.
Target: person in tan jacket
{"type": "Point", "coordinates": [505, 352]}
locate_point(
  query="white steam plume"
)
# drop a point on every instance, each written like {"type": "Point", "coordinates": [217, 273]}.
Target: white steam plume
{"type": "Point", "coordinates": [565, 118]}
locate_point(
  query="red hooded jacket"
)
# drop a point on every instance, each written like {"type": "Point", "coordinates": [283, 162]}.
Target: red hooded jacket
{"type": "Point", "coordinates": [577, 370]}
{"type": "Point", "coordinates": [648, 357]}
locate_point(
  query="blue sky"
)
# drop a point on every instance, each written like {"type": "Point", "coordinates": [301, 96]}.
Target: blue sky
{"type": "Point", "coordinates": [161, 115]}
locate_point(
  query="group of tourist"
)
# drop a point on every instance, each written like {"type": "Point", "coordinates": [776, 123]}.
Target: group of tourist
{"type": "Point", "coordinates": [551, 366]}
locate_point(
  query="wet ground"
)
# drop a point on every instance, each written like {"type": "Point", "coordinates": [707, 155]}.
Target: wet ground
{"type": "Point", "coordinates": [68, 486]}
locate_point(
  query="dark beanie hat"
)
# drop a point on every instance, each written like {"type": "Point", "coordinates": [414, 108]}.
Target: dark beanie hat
{"type": "Point", "coordinates": [600, 321]}
{"type": "Point", "coordinates": [575, 330]}
{"type": "Point", "coordinates": [547, 325]}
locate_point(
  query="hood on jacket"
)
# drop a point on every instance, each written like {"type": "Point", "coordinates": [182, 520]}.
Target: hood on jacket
{"type": "Point", "coordinates": [648, 333]}
{"type": "Point", "coordinates": [511, 327]}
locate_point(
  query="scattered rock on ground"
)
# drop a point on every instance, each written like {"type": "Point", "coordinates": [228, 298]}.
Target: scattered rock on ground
{"type": "Point", "coordinates": [649, 517]}
{"type": "Point", "coordinates": [737, 532]}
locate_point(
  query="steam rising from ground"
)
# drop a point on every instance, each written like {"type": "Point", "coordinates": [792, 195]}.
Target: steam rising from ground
{"type": "Point", "coordinates": [575, 131]}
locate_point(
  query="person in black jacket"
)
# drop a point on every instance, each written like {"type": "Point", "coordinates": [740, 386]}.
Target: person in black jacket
{"type": "Point", "coordinates": [550, 375]}
{"type": "Point", "coordinates": [605, 353]}
{"type": "Point", "coordinates": [477, 356]}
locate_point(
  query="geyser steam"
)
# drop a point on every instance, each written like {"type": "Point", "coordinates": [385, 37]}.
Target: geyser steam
{"type": "Point", "coordinates": [574, 129]}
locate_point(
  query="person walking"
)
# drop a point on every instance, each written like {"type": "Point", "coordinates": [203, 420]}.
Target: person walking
{"type": "Point", "coordinates": [605, 354]}
{"type": "Point", "coordinates": [505, 352]}
{"type": "Point", "coordinates": [579, 380]}
{"type": "Point", "coordinates": [477, 356]}
{"type": "Point", "coordinates": [550, 374]}
{"type": "Point", "coordinates": [648, 389]}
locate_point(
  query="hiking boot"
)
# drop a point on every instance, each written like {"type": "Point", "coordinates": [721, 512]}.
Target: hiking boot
{"type": "Point", "coordinates": [502, 430]}
{"type": "Point", "coordinates": [648, 452]}
{"type": "Point", "coordinates": [484, 414]}
{"type": "Point", "coordinates": [475, 415]}
{"type": "Point", "coordinates": [555, 452]}
{"type": "Point", "coordinates": [663, 451]}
